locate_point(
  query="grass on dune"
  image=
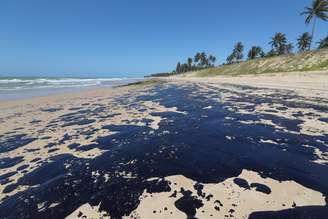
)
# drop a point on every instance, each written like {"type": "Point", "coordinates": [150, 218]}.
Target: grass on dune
{"type": "Point", "coordinates": [307, 61]}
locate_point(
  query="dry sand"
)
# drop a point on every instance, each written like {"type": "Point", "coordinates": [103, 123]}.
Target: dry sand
{"type": "Point", "coordinates": [313, 84]}
{"type": "Point", "coordinates": [226, 196]}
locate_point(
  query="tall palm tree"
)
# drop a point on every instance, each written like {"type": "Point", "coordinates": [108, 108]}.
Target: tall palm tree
{"type": "Point", "coordinates": [323, 43]}
{"type": "Point", "coordinates": [238, 51]}
{"type": "Point", "coordinates": [278, 43]}
{"type": "Point", "coordinates": [189, 63]}
{"type": "Point", "coordinates": [304, 42]}
{"type": "Point", "coordinates": [318, 10]}
{"type": "Point", "coordinates": [203, 59]}
{"type": "Point", "coordinates": [184, 67]}
{"type": "Point", "coordinates": [230, 59]}
{"type": "Point", "coordinates": [197, 58]}
{"type": "Point", "coordinates": [212, 60]}
{"type": "Point", "coordinates": [178, 68]}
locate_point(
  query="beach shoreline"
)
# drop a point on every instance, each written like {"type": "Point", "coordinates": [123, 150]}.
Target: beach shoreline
{"type": "Point", "coordinates": [25, 88]}
{"type": "Point", "coordinates": [304, 83]}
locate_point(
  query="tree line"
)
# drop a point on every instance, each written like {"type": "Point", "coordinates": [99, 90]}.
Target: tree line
{"type": "Point", "coordinates": [200, 61]}
{"type": "Point", "coordinates": [279, 46]}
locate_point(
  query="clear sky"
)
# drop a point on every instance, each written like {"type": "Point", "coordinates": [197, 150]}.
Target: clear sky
{"type": "Point", "coordinates": [135, 37]}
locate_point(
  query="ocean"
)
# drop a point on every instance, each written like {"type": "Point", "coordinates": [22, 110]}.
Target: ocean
{"type": "Point", "coordinates": [12, 88]}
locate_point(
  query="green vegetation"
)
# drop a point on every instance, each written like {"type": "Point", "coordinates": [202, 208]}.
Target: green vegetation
{"type": "Point", "coordinates": [237, 54]}
{"type": "Point", "coordinates": [142, 83]}
{"type": "Point", "coordinates": [200, 61]}
{"type": "Point", "coordinates": [279, 45]}
{"type": "Point", "coordinates": [165, 74]}
{"type": "Point", "coordinates": [323, 43]}
{"type": "Point", "coordinates": [306, 61]}
{"type": "Point", "coordinates": [304, 42]}
{"type": "Point", "coordinates": [255, 52]}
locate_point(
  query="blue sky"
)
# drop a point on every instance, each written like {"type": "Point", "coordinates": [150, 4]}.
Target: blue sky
{"type": "Point", "coordinates": [108, 38]}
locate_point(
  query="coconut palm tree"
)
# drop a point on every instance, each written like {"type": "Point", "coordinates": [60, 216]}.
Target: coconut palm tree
{"type": "Point", "coordinates": [203, 59]}
{"type": "Point", "coordinates": [184, 67]}
{"type": "Point", "coordinates": [278, 43]}
{"type": "Point", "coordinates": [189, 63]}
{"type": "Point", "coordinates": [197, 57]}
{"type": "Point", "coordinates": [178, 68]}
{"type": "Point", "coordinates": [255, 52]}
{"type": "Point", "coordinates": [230, 59]}
{"type": "Point", "coordinates": [304, 42]}
{"type": "Point", "coordinates": [323, 43]}
{"type": "Point", "coordinates": [212, 60]}
{"type": "Point", "coordinates": [318, 10]}
{"type": "Point", "coordinates": [238, 51]}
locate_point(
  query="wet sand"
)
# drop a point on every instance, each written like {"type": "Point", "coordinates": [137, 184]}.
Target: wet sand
{"type": "Point", "coordinates": [180, 148]}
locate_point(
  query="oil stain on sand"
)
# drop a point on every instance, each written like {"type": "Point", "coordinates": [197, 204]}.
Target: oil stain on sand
{"type": "Point", "coordinates": [170, 150]}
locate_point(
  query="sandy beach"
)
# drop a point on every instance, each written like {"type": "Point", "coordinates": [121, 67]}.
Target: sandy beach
{"type": "Point", "coordinates": [180, 147]}
{"type": "Point", "coordinates": [304, 83]}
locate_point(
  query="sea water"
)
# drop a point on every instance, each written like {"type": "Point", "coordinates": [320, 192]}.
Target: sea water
{"type": "Point", "coordinates": [12, 88]}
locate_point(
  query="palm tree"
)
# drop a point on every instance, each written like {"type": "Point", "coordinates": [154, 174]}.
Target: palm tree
{"type": "Point", "coordinates": [323, 43]}
{"type": "Point", "coordinates": [197, 58]}
{"type": "Point", "coordinates": [189, 63]}
{"type": "Point", "coordinates": [203, 59]}
{"type": "Point", "coordinates": [255, 52]}
{"type": "Point", "coordinates": [212, 60]}
{"type": "Point", "coordinates": [318, 10]}
{"type": "Point", "coordinates": [278, 43]}
{"type": "Point", "coordinates": [230, 59]}
{"type": "Point", "coordinates": [184, 67]}
{"type": "Point", "coordinates": [238, 51]}
{"type": "Point", "coordinates": [304, 42]}
{"type": "Point", "coordinates": [178, 68]}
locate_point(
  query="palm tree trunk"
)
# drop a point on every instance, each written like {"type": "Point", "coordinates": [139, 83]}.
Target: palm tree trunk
{"type": "Point", "coordinates": [313, 28]}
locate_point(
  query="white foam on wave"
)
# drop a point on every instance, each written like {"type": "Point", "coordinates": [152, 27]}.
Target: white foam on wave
{"type": "Point", "coordinates": [37, 83]}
